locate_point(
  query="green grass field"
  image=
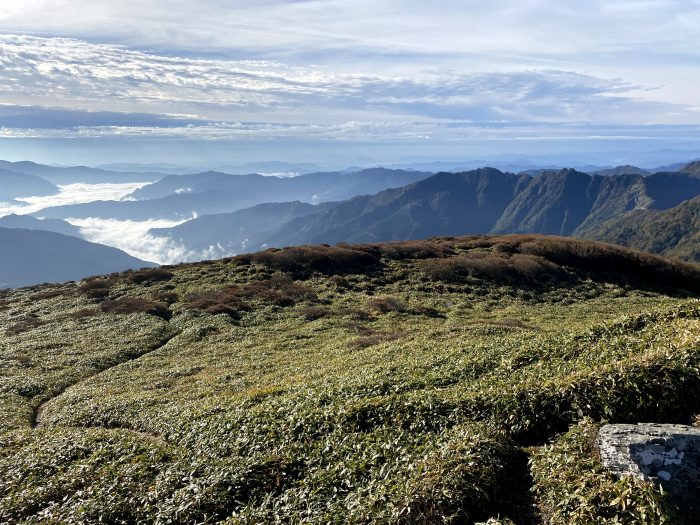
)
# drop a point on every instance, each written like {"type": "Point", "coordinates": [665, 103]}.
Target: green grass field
{"type": "Point", "coordinates": [409, 386]}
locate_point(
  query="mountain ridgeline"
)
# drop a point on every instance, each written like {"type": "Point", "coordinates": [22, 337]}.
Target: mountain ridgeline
{"type": "Point", "coordinates": [565, 202]}
{"type": "Point", "coordinates": [181, 196]}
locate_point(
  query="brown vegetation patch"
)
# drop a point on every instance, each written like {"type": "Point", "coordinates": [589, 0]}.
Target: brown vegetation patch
{"type": "Point", "coordinates": [150, 276]}
{"type": "Point", "coordinates": [495, 266]}
{"type": "Point", "coordinates": [48, 295]}
{"type": "Point", "coordinates": [386, 304]}
{"type": "Point", "coordinates": [5, 304]}
{"type": "Point", "coordinates": [221, 302]}
{"type": "Point", "coordinates": [325, 259]}
{"type": "Point", "coordinates": [97, 289]}
{"type": "Point", "coordinates": [166, 297]}
{"type": "Point", "coordinates": [24, 326]}
{"type": "Point", "coordinates": [339, 282]}
{"type": "Point", "coordinates": [280, 290]}
{"type": "Point", "coordinates": [426, 311]}
{"type": "Point", "coordinates": [131, 305]}
{"type": "Point", "coordinates": [85, 312]}
{"type": "Point", "coordinates": [415, 249]}
{"type": "Point", "coordinates": [316, 312]}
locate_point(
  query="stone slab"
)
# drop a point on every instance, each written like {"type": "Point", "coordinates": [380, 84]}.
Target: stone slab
{"type": "Point", "coordinates": [667, 455]}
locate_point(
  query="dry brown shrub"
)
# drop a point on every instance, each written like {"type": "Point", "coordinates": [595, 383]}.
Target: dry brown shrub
{"type": "Point", "coordinates": [277, 281]}
{"type": "Point", "coordinates": [150, 276]}
{"type": "Point", "coordinates": [95, 285]}
{"type": "Point", "coordinates": [166, 297]}
{"type": "Point", "coordinates": [426, 311]}
{"type": "Point", "coordinates": [48, 295]}
{"type": "Point", "coordinates": [338, 281]}
{"type": "Point", "coordinates": [325, 259]}
{"type": "Point", "coordinates": [219, 308]}
{"type": "Point", "coordinates": [316, 312]}
{"type": "Point", "coordinates": [131, 305]}
{"type": "Point", "coordinates": [274, 297]}
{"type": "Point", "coordinates": [299, 292]}
{"type": "Point", "coordinates": [5, 304]}
{"type": "Point", "coordinates": [386, 304]}
{"type": "Point", "coordinates": [24, 326]}
{"type": "Point", "coordinates": [99, 294]}
{"type": "Point", "coordinates": [413, 250]}
{"type": "Point", "coordinates": [85, 312]}
{"type": "Point", "coordinates": [600, 257]}
{"type": "Point", "coordinates": [218, 302]}
{"type": "Point", "coordinates": [497, 266]}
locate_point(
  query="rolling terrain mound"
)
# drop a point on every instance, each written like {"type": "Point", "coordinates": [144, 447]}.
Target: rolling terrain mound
{"type": "Point", "coordinates": [404, 382]}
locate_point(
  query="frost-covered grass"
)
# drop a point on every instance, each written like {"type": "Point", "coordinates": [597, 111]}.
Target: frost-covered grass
{"type": "Point", "coordinates": [275, 414]}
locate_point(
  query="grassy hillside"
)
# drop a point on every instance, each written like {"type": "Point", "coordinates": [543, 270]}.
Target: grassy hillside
{"type": "Point", "coordinates": [392, 383]}
{"type": "Point", "coordinates": [674, 232]}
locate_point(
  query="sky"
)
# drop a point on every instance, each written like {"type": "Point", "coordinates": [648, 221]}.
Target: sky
{"type": "Point", "coordinates": [330, 81]}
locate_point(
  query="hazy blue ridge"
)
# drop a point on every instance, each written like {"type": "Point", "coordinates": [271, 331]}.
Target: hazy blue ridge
{"type": "Point", "coordinates": [35, 256]}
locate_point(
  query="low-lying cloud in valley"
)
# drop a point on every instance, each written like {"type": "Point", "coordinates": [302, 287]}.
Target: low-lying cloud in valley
{"type": "Point", "coordinates": [71, 194]}
{"type": "Point", "coordinates": [133, 238]}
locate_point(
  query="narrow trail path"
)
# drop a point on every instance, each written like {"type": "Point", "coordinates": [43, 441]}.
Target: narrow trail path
{"type": "Point", "coordinates": [36, 420]}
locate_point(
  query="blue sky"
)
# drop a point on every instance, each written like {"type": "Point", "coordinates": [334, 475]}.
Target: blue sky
{"type": "Point", "coordinates": [330, 81]}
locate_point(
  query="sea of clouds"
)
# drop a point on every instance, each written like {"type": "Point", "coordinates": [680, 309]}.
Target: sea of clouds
{"type": "Point", "coordinates": [129, 236]}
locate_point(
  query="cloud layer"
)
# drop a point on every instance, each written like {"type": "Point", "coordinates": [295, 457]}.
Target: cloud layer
{"type": "Point", "coordinates": [112, 79]}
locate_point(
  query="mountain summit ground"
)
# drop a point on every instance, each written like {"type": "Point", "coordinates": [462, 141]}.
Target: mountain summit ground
{"type": "Point", "coordinates": [450, 380]}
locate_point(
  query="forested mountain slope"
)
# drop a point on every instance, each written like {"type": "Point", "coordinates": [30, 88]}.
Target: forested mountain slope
{"type": "Point", "coordinates": [674, 232]}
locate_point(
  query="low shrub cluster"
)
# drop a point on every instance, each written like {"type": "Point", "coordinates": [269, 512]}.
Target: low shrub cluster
{"type": "Point", "coordinates": [494, 266]}
{"type": "Point", "coordinates": [149, 276]}
{"type": "Point", "coordinates": [97, 289]}
{"type": "Point", "coordinates": [325, 259]}
{"type": "Point", "coordinates": [166, 297]}
{"type": "Point", "coordinates": [85, 312]}
{"type": "Point", "coordinates": [416, 249]}
{"type": "Point", "coordinates": [386, 304]}
{"type": "Point", "coordinates": [50, 294]}
{"type": "Point", "coordinates": [574, 488]}
{"type": "Point", "coordinates": [24, 326]}
{"type": "Point", "coordinates": [279, 290]}
{"type": "Point", "coordinates": [133, 305]}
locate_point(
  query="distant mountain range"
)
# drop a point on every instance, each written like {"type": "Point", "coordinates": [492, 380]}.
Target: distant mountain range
{"type": "Point", "coordinates": [567, 202]}
{"type": "Point", "coordinates": [232, 232]}
{"type": "Point", "coordinates": [14, 185]}
{"type": "Point", "coordinates": [181, 196]}
{"type": "Point", "coordinates": [32, 256]}
{"type": "Point", "coordinates": [620, 170]}
{"type": "Point", "coordinates": [28, 222]}
{"type": "Point", "coordinates": [75, 174]}
{"type": "Point", "coordinates": [243, 169]}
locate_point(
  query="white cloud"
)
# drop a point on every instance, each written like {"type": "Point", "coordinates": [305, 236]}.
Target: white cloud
{"type": "Point", "coordinates": [74, 73]}
{"type": "Point", "coordinates": [71, 194]}
{"type": "Point", "coordinates": [133, 238]}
